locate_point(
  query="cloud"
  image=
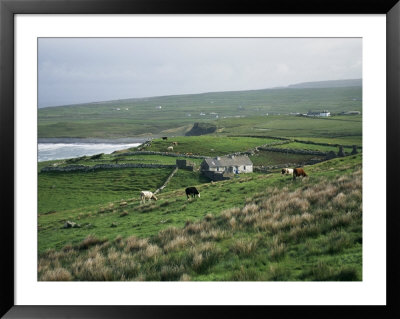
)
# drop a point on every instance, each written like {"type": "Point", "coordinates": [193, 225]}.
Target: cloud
{"type": "Point", "coordinates": [77, 70]}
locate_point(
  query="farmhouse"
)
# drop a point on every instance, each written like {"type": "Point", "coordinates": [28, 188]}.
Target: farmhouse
{"type": "Point", "coordinates": [323, 113]}
{"type": "Point", "coordinates": [219, 168]}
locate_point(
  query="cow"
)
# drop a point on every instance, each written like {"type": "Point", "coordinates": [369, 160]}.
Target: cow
{"type": "Point", "coordinates": [147, 195]}
{"type": "Point", "coordinates": [174, 143]}
{"type": "Point", "coordinates": [165, 138]}
{"type": "Point", "coordinates": [170, 148]}
{"type": "Point", "coordinates": [191, 191]}
{"type": "Point", "coordinates": [287, 171]}
{"type": "Point", "coordinates": [298, 172]}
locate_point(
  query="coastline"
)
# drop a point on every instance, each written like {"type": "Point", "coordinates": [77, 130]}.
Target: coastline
{"type": "Point", "coordinates": [73, 140]}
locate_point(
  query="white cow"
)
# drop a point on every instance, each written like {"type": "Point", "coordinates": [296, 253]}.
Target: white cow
{"type": "Point", "coordinates": [147, 195]}
{"type": "Point", "coordinates": [170, 148]}
{"type": "Point", "coordinates": [287, 171]}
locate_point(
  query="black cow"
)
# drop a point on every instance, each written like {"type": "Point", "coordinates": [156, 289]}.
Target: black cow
{"type": "Point", "coordinates": [165, 138]}
{"type": "Point", "coordinates": [192, 191]}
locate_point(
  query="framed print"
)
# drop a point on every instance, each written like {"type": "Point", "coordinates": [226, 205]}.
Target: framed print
{"type": "Point", "coordinates": [175, 159]}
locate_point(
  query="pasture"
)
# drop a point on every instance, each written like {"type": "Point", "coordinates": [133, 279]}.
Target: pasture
{"type": "Point", "coordinates": [337, 128]}
{"type": "Point", "coordinates": [254, 227]}
{"type": "Point", "coordinates": [209, 145]}
{"type": "Point", "coordinates": [313, 147]}
{"type": "Point", "coordinates": [59, 191]}
{"type": "Point", "coordinates": [266, 158]}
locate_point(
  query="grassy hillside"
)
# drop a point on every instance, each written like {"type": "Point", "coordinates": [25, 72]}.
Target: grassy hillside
{"type": "Point", "coordinates": [253, 227]}
{"type": "Point", "coordinates": [178, 113]}
{"type": "Point", "coordinates": [328, 84]}
{"type": "Point", "coordinates": [69, 190]}
{"type": "Point", "coordinates": [335, 128]}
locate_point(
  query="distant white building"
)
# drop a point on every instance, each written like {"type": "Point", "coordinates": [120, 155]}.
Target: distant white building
{"type": "Point", "coordinates": [323, 113]}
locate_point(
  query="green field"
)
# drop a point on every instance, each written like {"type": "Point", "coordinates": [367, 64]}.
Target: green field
{"type": "Point", "coordinates": [209, 145]}
{"type": "Point", "coordinates": [239, 229]}
{"type": "Point", "coordinates": [137, 117]}
{"type": "Point", "coordinates": [59, 191]}
{"type": "Point", "coordinates": [337, 128]}
{"type": "Point", "coordinates": [313, 147]}
{"type": "Point", "coordinates": [266, 158]}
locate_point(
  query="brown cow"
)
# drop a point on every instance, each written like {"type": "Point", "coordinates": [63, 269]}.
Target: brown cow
{"type": "Point", "coordinates": [298, 172]}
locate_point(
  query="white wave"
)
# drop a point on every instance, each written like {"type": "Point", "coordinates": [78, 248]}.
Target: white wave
{"type": "Point", "coordinates": [55, 151]}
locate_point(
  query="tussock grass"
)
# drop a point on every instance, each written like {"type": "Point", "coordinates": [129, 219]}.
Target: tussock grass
{"type": "Point", "coordinates": [244, 247]}
{"type": "Point", "coordinates": [89, 241]}
{"type": "Point", "coordinates": [134, 243]}
{"type": "Point", "coordinates": [57, 274]}
{"type": "Point", "coordinates": [245, 274]}
{"type": "Point", "coordinates": [177, 243]}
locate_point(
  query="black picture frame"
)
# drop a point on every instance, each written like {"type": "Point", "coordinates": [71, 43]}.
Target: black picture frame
{"type": "Point", "coordinates": [8, 8]}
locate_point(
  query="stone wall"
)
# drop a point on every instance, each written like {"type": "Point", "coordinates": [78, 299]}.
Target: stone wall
{"type": "Point", "coordinates": [85, 168]}
{"type": "Point", "coordinates": [293, 151]}
{"type": "Point", "coordinates": [269, 168]}
{"type": "Point", "coordinates": [166, 181]}
{"type": "Point", "coordinates": [161, 153]}
{"type": "Point", "coordinates": [324, 144]}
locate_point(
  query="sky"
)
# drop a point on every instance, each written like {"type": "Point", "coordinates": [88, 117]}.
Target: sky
{"type": "Point", "coordinates": [83, 70]}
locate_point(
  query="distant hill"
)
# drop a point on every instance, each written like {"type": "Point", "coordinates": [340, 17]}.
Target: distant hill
{"type": "Point", "coordinates": [176, 114]}
{"type": "Point", "coordinates": [327, 84]}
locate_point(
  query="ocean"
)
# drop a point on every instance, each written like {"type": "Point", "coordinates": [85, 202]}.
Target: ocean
{"type": "Point", "coordinates": [69, 148]}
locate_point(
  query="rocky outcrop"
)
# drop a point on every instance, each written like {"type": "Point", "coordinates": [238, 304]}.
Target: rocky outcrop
{"type": "Point", "coordinates": [69, 224]}
{"type": "Point", "coordinates": [201, 129]}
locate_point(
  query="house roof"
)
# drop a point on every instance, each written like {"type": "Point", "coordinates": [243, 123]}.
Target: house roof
{"type": "Point", "coordinates": [228, 161]}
